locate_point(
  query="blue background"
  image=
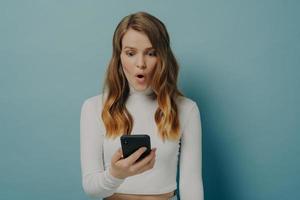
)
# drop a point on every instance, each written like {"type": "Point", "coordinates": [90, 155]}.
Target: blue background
{"type": "Point", "coordinates": [239, 61]}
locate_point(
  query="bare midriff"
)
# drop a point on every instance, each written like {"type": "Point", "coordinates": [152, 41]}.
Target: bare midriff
{"type": "Point", "coordinates": [119, 196]}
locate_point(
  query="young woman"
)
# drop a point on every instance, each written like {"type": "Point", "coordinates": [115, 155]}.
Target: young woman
{"type": "Point", "coordinates": [140, 96]}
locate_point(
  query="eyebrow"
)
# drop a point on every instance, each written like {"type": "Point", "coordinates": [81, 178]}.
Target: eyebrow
{"type": "Point", "coordinates": [135, 48]}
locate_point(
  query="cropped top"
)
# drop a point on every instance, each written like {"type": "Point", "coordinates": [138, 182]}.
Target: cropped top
{"type": "Point", "coordinates": [184, 155]}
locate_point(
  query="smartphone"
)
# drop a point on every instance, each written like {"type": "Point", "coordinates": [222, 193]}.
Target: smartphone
{"type": "Point", "coordinates": [131, 143]}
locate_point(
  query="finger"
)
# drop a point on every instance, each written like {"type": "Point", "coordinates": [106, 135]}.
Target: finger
{"type": "Point", "coordinates": [133, 157]}
{"type": "Point", "coordinates": [145, 161]}
{"type": "Point", "coordinates": [117, 155]}
{"type": "Point", "coordinates": [147, 166]}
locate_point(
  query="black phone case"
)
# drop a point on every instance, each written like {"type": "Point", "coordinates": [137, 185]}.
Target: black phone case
{"type": "Point", "coordinates": [131, 143]}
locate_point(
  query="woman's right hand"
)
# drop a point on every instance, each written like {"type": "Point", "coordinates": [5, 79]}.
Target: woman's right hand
{"type": "Point", "coordinates": [123, 168]}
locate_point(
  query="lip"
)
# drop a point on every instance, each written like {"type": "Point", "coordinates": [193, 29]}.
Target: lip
{"type": "Point", "coordinates": [136, 75]}
{"type": "Point", "coordinates": [140, 80]}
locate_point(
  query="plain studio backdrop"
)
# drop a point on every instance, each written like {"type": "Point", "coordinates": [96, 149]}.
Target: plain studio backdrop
{"type": "Point", "coordinates": [239, 60]}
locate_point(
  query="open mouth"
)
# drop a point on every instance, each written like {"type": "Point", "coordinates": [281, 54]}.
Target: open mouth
{"type": "Point", "coordinates": [140, 76]}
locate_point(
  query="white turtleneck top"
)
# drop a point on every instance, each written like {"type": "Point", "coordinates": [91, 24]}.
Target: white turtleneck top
{"type": "Point", "coordinates": [96, 150]}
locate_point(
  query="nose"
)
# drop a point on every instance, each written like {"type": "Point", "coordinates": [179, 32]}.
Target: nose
{"type": "Point", "coordinates": [140, 62]}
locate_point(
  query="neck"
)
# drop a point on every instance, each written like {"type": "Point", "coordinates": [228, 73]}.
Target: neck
{"type": "Point", "coordinates": [145, 92]}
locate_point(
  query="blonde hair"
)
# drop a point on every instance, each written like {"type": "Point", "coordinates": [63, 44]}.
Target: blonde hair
{"type": "Point", "coordinates": [116, 117]}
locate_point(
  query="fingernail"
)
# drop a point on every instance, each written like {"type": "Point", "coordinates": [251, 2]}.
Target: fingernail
{"type": "Point", "coordinates": [144, 149]}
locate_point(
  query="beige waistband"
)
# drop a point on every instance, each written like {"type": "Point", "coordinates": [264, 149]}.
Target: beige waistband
{"type": "Point", "coordinates": [119, 196]}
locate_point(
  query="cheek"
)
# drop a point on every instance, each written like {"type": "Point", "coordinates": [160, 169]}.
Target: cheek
{"type": "Point", "coordinates": [152, 64]}
{"type": "Point", "coordinates": [126, 64]}
{"type": "Point", "coordinates": [127, 67]}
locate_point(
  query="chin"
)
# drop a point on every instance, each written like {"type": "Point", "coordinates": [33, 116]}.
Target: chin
{"type": "Point", "coordinates": [140, 87]}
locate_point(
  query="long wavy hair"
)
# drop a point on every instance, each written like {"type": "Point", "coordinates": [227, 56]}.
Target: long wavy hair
{"type": "Point", "coordinates": [116, 117]}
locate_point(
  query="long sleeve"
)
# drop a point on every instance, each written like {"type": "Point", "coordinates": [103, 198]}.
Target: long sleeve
{"type": "Point", "coordinates": [190, 179]}
{"type": "Point", "coordinates": [96, 182]}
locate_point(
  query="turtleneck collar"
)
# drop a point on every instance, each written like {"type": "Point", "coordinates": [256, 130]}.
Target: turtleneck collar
{"type": "Point", "coordinates": [146, 92]}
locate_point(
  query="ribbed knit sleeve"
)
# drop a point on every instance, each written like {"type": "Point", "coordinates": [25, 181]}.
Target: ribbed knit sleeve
{"type": "Point", "coordinates": [190, 179]}
{"type": "Point", "coordinates": [96, 182]}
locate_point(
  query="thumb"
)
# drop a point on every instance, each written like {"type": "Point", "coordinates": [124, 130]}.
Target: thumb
{"type": "Point", "coordinates": [117, 155]}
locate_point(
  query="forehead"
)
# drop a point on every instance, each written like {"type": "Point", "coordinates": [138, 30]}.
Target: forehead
{"type": "Point", "coordinates": [136, 39]}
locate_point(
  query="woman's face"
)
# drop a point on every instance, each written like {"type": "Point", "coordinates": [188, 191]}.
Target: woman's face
{"type": "Point", "coordinates": [138, 59]}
